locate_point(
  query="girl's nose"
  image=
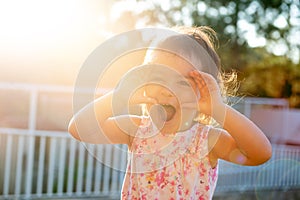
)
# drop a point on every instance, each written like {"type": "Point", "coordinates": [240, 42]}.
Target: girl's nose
{"type": "Point", "coordinates": [165, 92]}
{"type": "Point", "coordinates": [158, 91]}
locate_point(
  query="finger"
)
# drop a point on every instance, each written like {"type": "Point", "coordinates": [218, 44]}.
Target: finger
{"type": "Point", "coordinates": [199, 81]}
{"type": "Point", "coordinates": [196, 75]}
{"type": "Point", "coordinates": [206, 80]}
{"type": "Point", "coordinates": [202, 75]}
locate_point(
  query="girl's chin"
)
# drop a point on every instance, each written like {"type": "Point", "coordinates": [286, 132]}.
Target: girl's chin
{"type": "Point", "coordinates": [171, 126]}
{"type": "Point", "coordinates": [178, 124]}
{"type": "Point", "coordinates": [173, 120]}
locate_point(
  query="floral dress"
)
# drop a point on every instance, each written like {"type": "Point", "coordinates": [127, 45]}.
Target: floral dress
{"type": "Point", "coordinates": [169, 167]}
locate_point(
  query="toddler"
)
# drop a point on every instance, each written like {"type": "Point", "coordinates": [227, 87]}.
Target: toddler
{"type": "Point", "coordinates": [173, 148]}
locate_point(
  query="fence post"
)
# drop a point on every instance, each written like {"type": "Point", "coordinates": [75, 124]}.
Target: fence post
{"type": "Point", "coordinates": [31, 139]}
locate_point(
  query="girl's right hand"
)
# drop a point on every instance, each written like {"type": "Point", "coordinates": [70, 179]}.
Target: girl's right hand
{"type": "Point", "coordinates": [209, 92]}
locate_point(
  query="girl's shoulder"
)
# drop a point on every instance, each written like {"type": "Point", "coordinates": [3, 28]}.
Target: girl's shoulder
{"type": "Point", "coordinates": [200, 134]}
{"type": "Point", "coordinates": [213, 140]}
{"type": "Point", "coordinates": [201, 130]}
{"type": "Point", "coordinates": [213, 135]}
{"type": "Point", "coordinates": [206, 138]}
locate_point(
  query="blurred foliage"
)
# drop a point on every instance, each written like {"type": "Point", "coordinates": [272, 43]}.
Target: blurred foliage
{"type": "Point", "coordinates": [273, 76]}
{"type": "Point", "coordinates": [272, 21]}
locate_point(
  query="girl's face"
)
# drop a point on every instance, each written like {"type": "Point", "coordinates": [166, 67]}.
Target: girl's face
{"type": "Point", "coordinates": [175, 92]}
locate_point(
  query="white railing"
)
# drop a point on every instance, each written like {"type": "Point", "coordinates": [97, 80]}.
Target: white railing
{"type": "Point", "coordinates": [52, 164]}
{"type": "Point", "coordinates": [282, 171]}
{"type": "Point", "coordinates": [38, 163]}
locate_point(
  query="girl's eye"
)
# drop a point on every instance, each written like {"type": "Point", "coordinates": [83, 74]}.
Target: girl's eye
{"type": "Point", "coordinates": [155, 78]}
{"type": "Point", "coordinates": [184, 83]}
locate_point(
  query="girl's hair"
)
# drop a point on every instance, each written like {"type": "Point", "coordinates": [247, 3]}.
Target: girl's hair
{"type": "Point", "coordinates": [197, 46]}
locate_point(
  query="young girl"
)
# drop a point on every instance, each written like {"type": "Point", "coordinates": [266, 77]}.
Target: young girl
{"type": "Point", "coordinates": [173, 149]}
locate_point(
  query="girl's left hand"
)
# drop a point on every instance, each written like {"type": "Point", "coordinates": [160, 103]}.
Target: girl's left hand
{"type": "Point", "coordinates": [210, 95]}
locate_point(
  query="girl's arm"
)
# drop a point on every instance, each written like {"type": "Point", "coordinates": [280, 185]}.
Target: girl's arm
{"type": "Point", "coordinates": [95, 123]}
{"type": "Point", "coordinates": [241, 142]}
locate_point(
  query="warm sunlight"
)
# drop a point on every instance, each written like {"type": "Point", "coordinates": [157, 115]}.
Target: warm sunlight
{"type": "Point", "coordinates": [27, 19]}
{"type": "Point", "coordinates": [49, 37]}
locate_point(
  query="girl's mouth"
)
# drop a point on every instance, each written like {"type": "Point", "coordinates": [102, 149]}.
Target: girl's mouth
{"type": "Point", "coordinates": [170, 111]}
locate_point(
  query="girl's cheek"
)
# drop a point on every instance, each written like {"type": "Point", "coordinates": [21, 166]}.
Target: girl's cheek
{"type": "Point", "coordinates": [194, 88]}
{"type": "Point", "coordinates": [149, 91]}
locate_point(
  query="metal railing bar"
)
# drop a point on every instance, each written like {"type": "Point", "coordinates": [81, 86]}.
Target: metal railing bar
{"type": "Point", "coordinates": [51, 172]}
{"type": "Point", "coordinates": [19, 167]}
{"type": "Point", "coordinates": [71, 167]}
{"type": "Point", "coordinates": [123, 164]}
{"type": "Point", "coordinates": [51, 88]}
{"type": "Point", "coordinates": [17, 131]}
{"type": "Point", "coordinates": [7, 166]}
{"type": "Point", "coordinates": [98, 173]}
{"type": "Point", "coordinates": [31, 139]}
{"type": "Point", "coordinates": [29, 165]}
{"type": "Point", "coordinates": [81, 158]}
{"type": "Point", "coordinates": [61, 167]}
{"type": "Point", "coordinates": [89, 168]}
{"type": "Point", "coordinates": [107, 169]}
{"type": "Point", "coordinates": [266, 101]}
{"type": "Point", "coordinates": [41, 163]}
{"type": "Point", "coordinates": [115, 162]}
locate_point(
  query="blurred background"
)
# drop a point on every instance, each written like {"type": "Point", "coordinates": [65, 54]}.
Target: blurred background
{"type": "Point", "coordinates": [44, 43]}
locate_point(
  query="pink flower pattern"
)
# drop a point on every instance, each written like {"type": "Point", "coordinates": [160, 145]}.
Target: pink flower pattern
{"type": "Point", "coordinates": [164, 167]}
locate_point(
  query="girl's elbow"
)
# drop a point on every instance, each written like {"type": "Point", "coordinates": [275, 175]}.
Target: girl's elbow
{"type": "Point", "coordinates": [73, 130]}
{"type": "Point", "coordinates": [268, 152]}
{"type": "Point", "coordinates": [265, 155]}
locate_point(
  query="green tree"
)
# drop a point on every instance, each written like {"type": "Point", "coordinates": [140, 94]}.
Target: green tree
{"type": "Point", "coordinates": [275, 77]}
{"type": "Point", "coordinates": [272, 21]}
